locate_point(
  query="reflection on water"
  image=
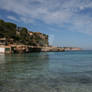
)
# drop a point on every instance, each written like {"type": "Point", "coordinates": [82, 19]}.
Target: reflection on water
{"type": "Point", "coordinates": [2, 58]}
{"type": "Point", "coordinates": [46, 72]}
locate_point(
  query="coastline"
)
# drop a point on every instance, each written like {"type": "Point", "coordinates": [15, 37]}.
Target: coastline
{"type": "Point", "coordinates": [28, 49]}
{"type": "Point", "coordinates": [22, 40]}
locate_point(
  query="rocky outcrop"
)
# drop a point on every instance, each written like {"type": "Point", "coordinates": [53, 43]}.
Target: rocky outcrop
{"type": "Point", "coordinates": [22, 40]}
{"type": "Point", "coordinates": [71, 48]}
{"type": "Point", "coordinates": [39, 39]}
{"type": "Point", "coordinates": [52, 49]}
{"type": "Point", "coordinates": [20, 35]}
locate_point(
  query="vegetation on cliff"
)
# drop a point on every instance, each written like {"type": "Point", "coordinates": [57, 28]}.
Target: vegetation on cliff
{"type": "Point", "coordinates": [21, 35]}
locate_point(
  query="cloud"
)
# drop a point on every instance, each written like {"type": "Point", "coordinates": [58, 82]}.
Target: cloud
{"type": "Point", "coordinates": [12, 18]}
{"type": "Point", "coordinates": [59, 12]}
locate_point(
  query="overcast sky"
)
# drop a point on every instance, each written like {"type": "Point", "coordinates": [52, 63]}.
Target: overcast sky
{"type": "Point", "coordinates": [67, 22]}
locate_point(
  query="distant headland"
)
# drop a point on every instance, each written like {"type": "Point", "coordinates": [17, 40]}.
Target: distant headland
{"type": "Point", "coordinates": [14, 39]}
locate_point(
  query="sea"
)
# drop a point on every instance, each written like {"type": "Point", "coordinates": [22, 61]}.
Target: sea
{"type": "Point", "coordinates": [69, 71]}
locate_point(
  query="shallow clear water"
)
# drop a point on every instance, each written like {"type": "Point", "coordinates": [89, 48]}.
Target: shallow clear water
{"type": "Point", "coordinates": [46, 72]}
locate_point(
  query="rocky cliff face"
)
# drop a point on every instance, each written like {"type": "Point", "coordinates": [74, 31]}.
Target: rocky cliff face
{"type": "Point", "coordinates": [39, 39]}
{"type": "Point", "coordinates": [21, 35]}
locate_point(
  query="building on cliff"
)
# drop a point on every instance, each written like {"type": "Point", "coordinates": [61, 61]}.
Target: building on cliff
{"type": "Point", "coordinates": [2, 41]}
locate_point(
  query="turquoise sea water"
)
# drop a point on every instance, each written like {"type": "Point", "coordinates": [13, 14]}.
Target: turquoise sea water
{"type": "Point", "coordinates": [46, 72]}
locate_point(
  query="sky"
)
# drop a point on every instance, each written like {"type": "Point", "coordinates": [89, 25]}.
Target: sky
{"type": "Point", "coordinates": [67, 22]}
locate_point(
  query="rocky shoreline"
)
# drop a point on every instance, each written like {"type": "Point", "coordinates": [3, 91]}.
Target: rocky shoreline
{"type": "Point", "coordinates": [59, 49]}
{"type": "Point", "coordinates": [52, 49]}
{"type": "Point", "coordinates": [14, 39]}
{"type": "Point", "coordinates": [29, 49]}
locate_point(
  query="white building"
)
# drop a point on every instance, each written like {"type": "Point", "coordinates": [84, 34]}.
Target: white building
{"type": "Point", "coordinates": [5, 49]}
{"type": "Point", "coordinates": [2, 50]}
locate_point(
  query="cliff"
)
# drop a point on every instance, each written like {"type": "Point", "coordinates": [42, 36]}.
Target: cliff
{"type": "Point", "coordinates": [24, 40]}
{"type": "Point", "coordinates": [21, 36]}
{"type": "Point", "coordinates": [39, 39]}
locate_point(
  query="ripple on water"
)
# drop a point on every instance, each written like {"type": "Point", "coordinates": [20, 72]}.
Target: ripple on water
{"type": "Point", "coordinates": [46, 72]}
